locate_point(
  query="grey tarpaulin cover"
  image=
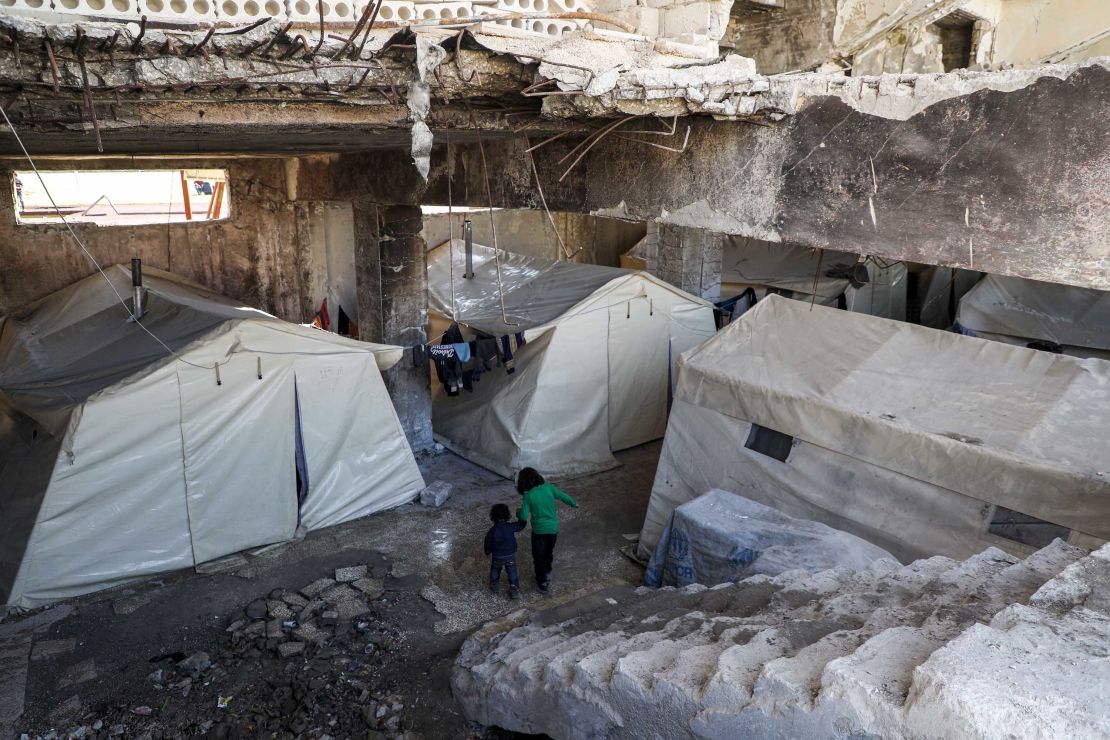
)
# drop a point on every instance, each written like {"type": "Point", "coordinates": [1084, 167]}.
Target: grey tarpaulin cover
{"type": "Point", "coordinates": [118, 460]}
{"type": "Point", "coordinates": [595, 373]}
{"type": "Point", "coordinates": [1019, 311]}
{"type": "Point", "coordinates": [720, 537]}
{"type": "Point", "coordinates": [905, 436]}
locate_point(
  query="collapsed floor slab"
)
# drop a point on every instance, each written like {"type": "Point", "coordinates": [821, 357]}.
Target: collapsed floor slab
{"type": "Point", "coordinates": [986, 647]}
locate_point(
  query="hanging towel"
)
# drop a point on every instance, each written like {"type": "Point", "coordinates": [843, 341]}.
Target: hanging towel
{"type": "Point", "coordinates": [462, 350]}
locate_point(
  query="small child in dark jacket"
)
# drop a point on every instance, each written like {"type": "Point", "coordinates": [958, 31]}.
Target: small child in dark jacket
{"type": "Point", "coordinates": [501, 546]}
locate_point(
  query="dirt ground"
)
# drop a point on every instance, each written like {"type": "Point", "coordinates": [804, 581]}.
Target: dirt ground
{"type": "Point", "coordinates": [157, 659]}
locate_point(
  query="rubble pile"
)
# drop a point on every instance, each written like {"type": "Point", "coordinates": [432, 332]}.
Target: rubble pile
{"type": "Point", "coordinates": [312, 662]}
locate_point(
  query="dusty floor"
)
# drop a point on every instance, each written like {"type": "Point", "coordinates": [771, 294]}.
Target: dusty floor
{"type": "Point", "coordinates": [95, 664]}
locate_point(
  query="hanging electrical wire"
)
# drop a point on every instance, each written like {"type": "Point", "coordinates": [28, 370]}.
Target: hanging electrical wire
{"type": "Point", "coordinates": [77, 239]}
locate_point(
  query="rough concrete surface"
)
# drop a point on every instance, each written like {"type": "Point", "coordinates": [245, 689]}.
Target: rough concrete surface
{"type": "Point", "coordinates": [990, 647]}
{"type": "Point", "coordinates": [196, 640]}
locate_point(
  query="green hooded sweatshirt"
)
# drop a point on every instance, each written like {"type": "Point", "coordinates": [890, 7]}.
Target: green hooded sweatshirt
{"type": "Point", "coordinates": [539, 504]}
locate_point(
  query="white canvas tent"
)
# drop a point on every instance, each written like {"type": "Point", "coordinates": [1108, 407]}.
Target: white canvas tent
{"type": "Point", "coordinates": [594, 375]}
{"type": "Point", "coordinates": [790, 270]}
{"type": "Point", "coordinates": [920, 441]}
{"type": "Point", "coordinates": [119, 460]}
{"type": "Point", "coordinates": [1019, 311]}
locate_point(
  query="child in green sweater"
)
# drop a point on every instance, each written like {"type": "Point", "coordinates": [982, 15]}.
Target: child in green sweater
{"type": "Point", "coordinates": [539, 507]}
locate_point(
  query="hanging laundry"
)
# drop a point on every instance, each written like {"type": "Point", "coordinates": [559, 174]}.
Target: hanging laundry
{"type": "Point", "coordinates": [418, 356]}
{"type": "Point", "coordinates": [448, 367]}
{"type": "Point", "coordinates": [462, 349]}
{"type": "Point", "coordinates": [453, 335]}
{"type": "Point", "coordinates": [507, 355]}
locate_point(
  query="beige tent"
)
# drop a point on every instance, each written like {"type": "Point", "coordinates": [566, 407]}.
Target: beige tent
{"type": "Point", "coordinates": [921, 441]}
{"type": "Point", "coordinates": [594, 375]}
{"type": "Point", "coordinates": [1017, 311]}
{"type": "Point", "coordinates": [120, 459]}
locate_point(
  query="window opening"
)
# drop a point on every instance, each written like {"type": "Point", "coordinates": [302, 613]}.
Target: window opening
{"type": "Point", "coordinates": [1028, 530]}
{"type": "Point", "coordinates": [769, 442]}
{"type": "Point", "coordinates": [955, 33]}
{"type": "Point", "coordinates": [121, 197]}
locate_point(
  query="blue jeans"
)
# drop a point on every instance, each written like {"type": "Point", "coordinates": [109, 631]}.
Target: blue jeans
{"type": "Point", "coordinates": [509, 564]}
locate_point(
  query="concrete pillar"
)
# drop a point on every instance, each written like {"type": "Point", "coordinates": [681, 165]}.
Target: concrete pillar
{"type": "Point", "coordinates": [392, 282]}
{"type": "Point", "coordinates": [687, 258]}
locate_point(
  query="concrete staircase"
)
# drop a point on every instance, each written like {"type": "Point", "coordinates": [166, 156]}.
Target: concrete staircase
{"type": "Point", "coordinates": [991, 647]}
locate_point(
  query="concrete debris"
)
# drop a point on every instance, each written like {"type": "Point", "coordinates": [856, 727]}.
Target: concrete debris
{"type": "Point", "coordinates": [989, 647]}
{"type": "Point", "coordinates": [373, 588]}
{"type": "Point", "coordinates": [257, 609]}
{"type": "Point", "coordinates": [349, 574]}
{"type": "Point", "coordinates": [278, 609]}
{"type": "Point", "coordinates": [289, 649]}
{"type": "Point", "coordinates": [436, 494]}
{"type": "Point", "coordinates": [317, 587]}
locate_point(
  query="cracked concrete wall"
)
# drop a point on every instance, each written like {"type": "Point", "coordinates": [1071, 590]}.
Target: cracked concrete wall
{"type": "Point", "coordinates": [247, 257]}
{"type": "Point", "coordinates": [798, 36]}
{"type": "Point", "coordinates": [1011, 182]}
{"type": "Point", "coordinates": [392, 281]}
{"type": "Point", "coordinates": [589, 239]}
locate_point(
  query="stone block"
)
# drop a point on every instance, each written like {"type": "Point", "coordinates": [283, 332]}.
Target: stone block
{"type": "Point", "coordinates": [372, 588]}
{"type": "Point", "coordinates": [279, 609]}
{"type": "Point", "coordinates": [289, 649]}
{"type": "Point", "coordinates": [317, 587]}
{"type": "Point", "coordinates": [350, 608]}
{"type": "Point", "coordinates": [311, 633]}
{"type": "Point", "coordinates": [436, 494]}
{"type": "Point", "coordinates": [342, 592]}
{"type": "Point", "coordinates": [349, 574]}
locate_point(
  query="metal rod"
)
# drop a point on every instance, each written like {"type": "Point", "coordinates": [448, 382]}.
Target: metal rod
{"type": "Point", "coordinates": [468, 240]}
{"type": "Point", "coordinates": [137, 287]}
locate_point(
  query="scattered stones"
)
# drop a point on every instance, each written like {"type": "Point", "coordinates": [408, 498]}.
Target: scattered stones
{"type": "Point", "coordinates": [317, 587]}
{"type": "Point", "coordinates": [435, 495]}
{"type": "Point", "coordinates": [372, 588]}
{"type": "Point", "coordinates": [77, 673]}
{"type": "Point", "coordinates": [274, 629]}
{"type": "Point", "coordinates": [237, 625]}
{"type": "Point", "coordinates": [48, 648]}
{"type": "Point", "coordinates": [289, 649]}
{"type": "Point", "coordinates": [329, 618]}
{"type": "Point", "coordinates": [129, 604]}
{"type": "Point", "coordinates": [257, 609]}
{"type": "Point", "coordinates": [349, 574]}
{"type": "Point", "coordinates": [142, 711]}
{"type": "Point", "coordinates": [254, 629]}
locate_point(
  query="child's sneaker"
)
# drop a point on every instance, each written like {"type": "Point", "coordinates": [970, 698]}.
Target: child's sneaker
{"type": "Point", "coordinates": [514, 593]}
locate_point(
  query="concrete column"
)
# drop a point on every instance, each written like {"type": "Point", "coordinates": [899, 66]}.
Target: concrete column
{"type": "Point", "coordinates": [687, 258]}
{"type": "Point", "coordinates": [392, 282]}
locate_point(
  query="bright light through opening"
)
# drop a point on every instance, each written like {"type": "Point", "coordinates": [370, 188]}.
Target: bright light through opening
{"type": "Point", "coordinates": [122, 197]}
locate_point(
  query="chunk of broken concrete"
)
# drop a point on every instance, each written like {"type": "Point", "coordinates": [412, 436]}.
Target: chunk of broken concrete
{"type": "Point", "coordinates": [289, 649]}
{"type": "Point", "coordinates": [436, 494]}
{"type": "Point", "coordinates": [311, 633]}
{"type": "Point", "coordinates": [278, 609]}
{"type": "Point", "coordinates": [372, 588]}
{"type": "Point", "coordinates": [317, 587]}
{"type": "Point", "coordinates": [350, 608]}
{"type": "Point", "coordinates": [350, 573]}
{"type": "Point", "coordinates": [195, 663]}
{"type": "Point", "coordinates": [294, 599]}
{"type": "Point", "coordinates": [341, 592]}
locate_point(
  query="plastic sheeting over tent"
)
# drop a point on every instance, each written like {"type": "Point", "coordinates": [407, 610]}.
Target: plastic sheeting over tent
{"type": "Point", "coordinates": [594, 375]}
{"type": "Point", "coordinates": [920, 441]}
{"type": "Point", "coordinates": [720, 537]}
{"type": "Point", "coordinates": [119, 460]}
{"type": "Point", "coordinates": [1019, 311]}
